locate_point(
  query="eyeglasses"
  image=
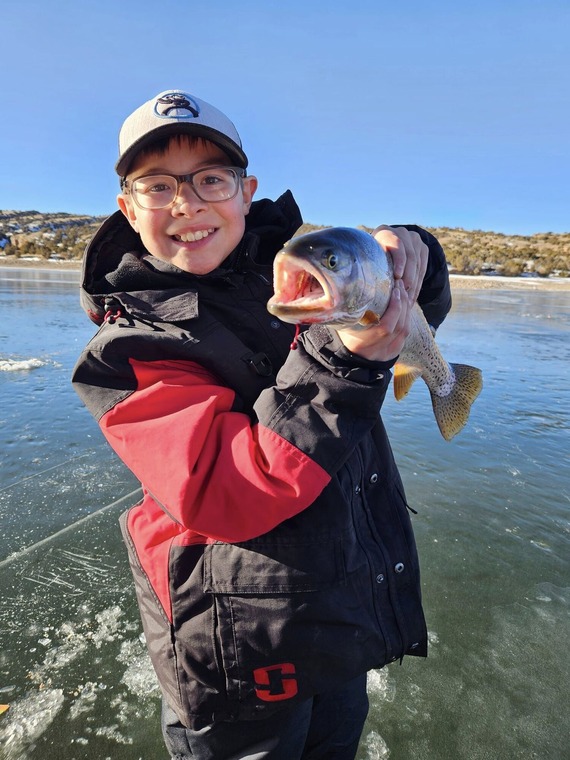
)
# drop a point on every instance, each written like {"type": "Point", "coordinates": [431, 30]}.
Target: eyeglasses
{"type": "Point", "coordinates": [213, 185]}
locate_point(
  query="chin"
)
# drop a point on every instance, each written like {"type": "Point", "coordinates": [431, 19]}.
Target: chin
{"type": "Point", "coordinates": [194, 267]}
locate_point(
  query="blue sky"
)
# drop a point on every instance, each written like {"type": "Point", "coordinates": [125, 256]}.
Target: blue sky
{"type": "Point", "coordinates": [436, 113]}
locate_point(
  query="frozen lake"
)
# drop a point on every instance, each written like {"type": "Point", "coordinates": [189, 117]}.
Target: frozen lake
{"type": "Point", "coordinates": [492, 526]}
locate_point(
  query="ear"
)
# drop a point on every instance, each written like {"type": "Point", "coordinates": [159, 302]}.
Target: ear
{"type": "Point", "coordinates": [128, 209]}
{"type": "Point", "coordinates": [249, 185]}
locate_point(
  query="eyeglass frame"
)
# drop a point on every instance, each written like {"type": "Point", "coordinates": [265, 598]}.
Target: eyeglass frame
{"type": "Point", "coordinates": [239, 171]}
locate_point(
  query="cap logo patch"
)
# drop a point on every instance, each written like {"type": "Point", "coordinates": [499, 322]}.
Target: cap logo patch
{"type": "Point", "coordinates": [183, 107]}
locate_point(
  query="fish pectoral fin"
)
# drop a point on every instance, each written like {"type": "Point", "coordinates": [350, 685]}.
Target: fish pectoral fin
{"type": "Point", "coordinates": [369, 318]}
{"type": "Point", "coordinates": [452, 411]}
{"type": "Point", "coordinates": [404, 377]}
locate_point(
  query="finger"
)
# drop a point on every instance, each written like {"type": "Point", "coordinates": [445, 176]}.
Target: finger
{"type": "Point", "coordinates": [412, 280]}
{"type": "Point", "coordinates": [416, 263]}
{"type": "Point", "coordinates": [420, 262]}
{"type": "Point", "coordinates": [409, 255]}
{"type": "Point", "coordinates": [397, 324]}
{"type": "Point", "coordinates": [405, 247]}
{"type": "Point", "coordinates": [390, 240]}
{"type": "Point", "coordinates": [395, 311]}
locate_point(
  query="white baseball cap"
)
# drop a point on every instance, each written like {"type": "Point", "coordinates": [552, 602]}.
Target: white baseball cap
{"type": "Point", "coordinates": [174, 112]}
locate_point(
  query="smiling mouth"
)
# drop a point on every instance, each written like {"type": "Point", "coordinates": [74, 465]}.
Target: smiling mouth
{"type": "Point", "coordinates": [192, 237]}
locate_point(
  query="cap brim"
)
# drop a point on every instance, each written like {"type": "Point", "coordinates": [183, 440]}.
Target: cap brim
{"type": "Point", "coordinates": [168, 130]}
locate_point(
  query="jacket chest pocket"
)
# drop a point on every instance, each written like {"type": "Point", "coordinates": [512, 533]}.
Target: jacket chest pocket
{"type": "Point", "coordinates": [283, 568]}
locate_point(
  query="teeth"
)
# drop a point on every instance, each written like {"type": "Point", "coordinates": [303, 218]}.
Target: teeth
{"type": "Point", "coordinates": [191, 237]}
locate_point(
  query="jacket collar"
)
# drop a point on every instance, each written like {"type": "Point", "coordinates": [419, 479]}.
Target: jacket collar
{"type": "Point", "coordinates": [116, 261]}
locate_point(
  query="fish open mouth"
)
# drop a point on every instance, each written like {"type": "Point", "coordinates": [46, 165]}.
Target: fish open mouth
{"type": "Point", "coordinates": [299, 290]}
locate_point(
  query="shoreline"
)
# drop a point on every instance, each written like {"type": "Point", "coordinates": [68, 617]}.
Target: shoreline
{"type": "Point", "coordinates": [458, 281]}
{"type": "Point", "coordinates": [490, 282]}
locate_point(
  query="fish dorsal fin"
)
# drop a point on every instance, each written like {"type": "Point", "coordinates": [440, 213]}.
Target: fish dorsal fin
{"type": "Point", "coordinates": [404, 377]}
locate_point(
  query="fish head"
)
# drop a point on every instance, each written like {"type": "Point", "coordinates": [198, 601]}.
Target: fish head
{"type": "Point", "coordinates": [328, 276]}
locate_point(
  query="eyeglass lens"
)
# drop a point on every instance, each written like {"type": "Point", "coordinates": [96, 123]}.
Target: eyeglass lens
{"type": "Point", "coordinates": [160, 190]}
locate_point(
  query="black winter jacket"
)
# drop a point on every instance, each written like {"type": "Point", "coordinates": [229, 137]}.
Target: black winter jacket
{"type": "Point", "coordinates": [272, 551]}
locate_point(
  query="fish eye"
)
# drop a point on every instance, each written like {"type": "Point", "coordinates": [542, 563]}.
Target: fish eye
{"type": "Point", "coordinates": [329, 259]}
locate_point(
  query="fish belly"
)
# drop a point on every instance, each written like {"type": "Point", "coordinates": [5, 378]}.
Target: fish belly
{"type": "Point", "coordinates": [452, 387]}
{"type": "Point", "coordinates": [423, 358]}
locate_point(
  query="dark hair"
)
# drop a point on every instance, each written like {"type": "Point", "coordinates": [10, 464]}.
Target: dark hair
{"type": "Point", "coordinates": [161, 144]}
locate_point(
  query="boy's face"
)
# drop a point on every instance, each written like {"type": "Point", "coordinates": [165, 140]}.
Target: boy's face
{"type": "Point", "coordinates": [192, 234]}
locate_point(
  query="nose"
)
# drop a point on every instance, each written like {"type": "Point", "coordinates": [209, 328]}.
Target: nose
{"type": "Point", "coordinates": [186, 200]}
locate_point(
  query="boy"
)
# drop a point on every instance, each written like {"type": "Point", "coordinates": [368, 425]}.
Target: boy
{"type": "Point", "coordinates": [272, 551]}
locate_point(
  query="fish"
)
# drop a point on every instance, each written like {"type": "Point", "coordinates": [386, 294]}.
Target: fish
{"type": "Point", "coordinates": [342, 277]}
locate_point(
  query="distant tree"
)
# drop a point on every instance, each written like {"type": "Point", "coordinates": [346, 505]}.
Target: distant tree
{"type": "Point", "coordinates": [543, 268]}
{"type": "Point", "coordinates": [513, 268]}
{"type": "Point", "coordinates": [23, 248]}
{"type": "Point", "coordinates": [462, 263]}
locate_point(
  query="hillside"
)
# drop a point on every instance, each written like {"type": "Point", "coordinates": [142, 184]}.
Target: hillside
{"type": "Point", "coordinates": [477, 252]}
{"type": "Point", "coordinates": [61, 236]}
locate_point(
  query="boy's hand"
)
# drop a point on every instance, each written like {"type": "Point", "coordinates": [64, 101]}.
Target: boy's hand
{"type": "Point", "coordinates": [384, 341]}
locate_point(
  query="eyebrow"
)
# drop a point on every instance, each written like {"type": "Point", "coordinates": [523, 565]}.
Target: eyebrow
{"type": "Point", "coordinates": [203, 165]}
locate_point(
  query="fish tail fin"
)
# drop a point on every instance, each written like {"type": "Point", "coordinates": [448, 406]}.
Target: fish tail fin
{"type": "Point", "coordinates": [452, 411]}
{"type": "Point", "coordinates": [404, 377]}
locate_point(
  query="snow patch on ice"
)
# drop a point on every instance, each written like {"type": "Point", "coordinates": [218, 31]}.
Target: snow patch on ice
{"type": "Point", "coordinates": [17, 365]}
{"type": "Point", "coordinates": [139, 677]}
{"type": "Point", "coordinates": [376, 747]}
{"type": "Point", "coordinates": [27, 720]}
{"type": "Point", "coordinates": [380, 687]}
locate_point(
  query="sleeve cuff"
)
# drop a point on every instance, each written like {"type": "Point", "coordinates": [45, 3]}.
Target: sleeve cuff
{"type": "Point", "coordinates": [323, 343]}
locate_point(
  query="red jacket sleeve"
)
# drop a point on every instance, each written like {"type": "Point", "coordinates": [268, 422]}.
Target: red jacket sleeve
{"type": "Point", "coordinates": [208, 466]}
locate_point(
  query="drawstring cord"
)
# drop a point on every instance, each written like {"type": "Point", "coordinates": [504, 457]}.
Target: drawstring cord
{"type": "Point", "coordinates": [112, 310]}
{"type": "Point", "coordinates": [111, 317]}
{"type": "Point", "coordinates": [293, 345]}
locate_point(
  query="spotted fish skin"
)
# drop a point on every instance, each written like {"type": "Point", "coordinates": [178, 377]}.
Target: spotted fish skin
{"type": "Point", "coordinates": [343, 277]}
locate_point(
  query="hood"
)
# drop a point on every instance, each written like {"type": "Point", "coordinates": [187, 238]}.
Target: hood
{"type": "Point", "coordinates": [115, 260]}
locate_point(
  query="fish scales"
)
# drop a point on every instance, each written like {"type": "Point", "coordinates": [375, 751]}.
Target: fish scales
{"type": "Point", "coordinates": [344, 278]}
